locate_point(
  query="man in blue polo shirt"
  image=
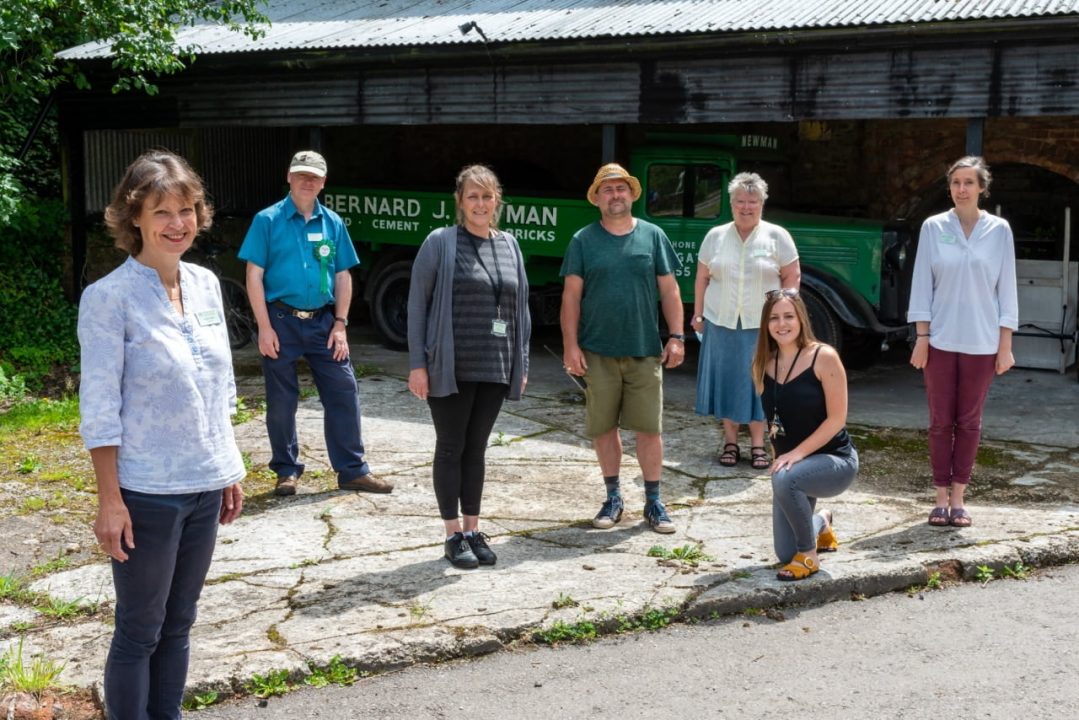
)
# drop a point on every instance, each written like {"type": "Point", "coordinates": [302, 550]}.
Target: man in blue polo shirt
{"type": "Point", "coordinates": [298, 256]}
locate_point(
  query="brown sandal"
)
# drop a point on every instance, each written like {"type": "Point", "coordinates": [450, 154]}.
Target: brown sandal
{"type": "Point", "coordinates": [759, 460]}
{"type": "Point", "coordinates": [730, 456]}
{"type": "Point", "coordinates": [800, 567]}
{"type": "Point", "coordinates": [827, 541]}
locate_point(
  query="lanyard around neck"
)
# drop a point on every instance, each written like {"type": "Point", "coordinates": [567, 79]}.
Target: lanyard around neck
{"type": "Point", "coordinates": [496, 285]}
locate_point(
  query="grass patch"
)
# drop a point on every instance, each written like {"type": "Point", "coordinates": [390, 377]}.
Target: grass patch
{"type": "Point", "coordinates": [41, 414]}
{"type": "Point", "coordinates": [33, 676]}
{"type": "Point", "coordinates": [63, 609]}
{"type": "Point", "coordinates": [563, 632]}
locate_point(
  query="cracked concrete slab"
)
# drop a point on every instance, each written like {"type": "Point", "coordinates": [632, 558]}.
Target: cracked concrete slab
{"type": "Point", "coordinates": [325, 573]}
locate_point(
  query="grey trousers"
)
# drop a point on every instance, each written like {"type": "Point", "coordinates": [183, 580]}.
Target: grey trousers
{"type": "Point", "coordinates": [794, 496]}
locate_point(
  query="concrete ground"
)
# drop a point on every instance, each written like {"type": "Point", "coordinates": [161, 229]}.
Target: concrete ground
{"type": "Point", "coordinates": [304, 579]}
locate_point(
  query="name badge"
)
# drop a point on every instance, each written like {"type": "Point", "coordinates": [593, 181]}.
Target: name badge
{"type": "Point", "coordinates": [947, 239]}
{"type": "Point", "coordinates": [206, 318]}
{"type": "Point", "coordinates": [498, 328]}
{"type": "Point", "coordinates": [314, 237]}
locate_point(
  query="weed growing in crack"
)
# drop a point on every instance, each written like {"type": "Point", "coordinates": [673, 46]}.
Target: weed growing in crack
{"type": "Point", "coordinates": [1019, 571]}
{"type": "Point", "coordinates": [560, 632]}
{"type": "Point", "coordinates": [984, 574]}
{"type": "Point", "coordinates": [687, 554]}
{"type": "Point", "coordinates": [417, 611]}
{"type": "Point", "coordinates": [33, 676]}
{"type": "Point", "coordinates": [61, 609]}
{"type": "Point", "coordinates": [272, 683]}
{"type": "Point", "coordinates": [564, 601]}
{"type": "Point", "coordinates": [336, 673]}
{"type": "Point", "coordinates": [200, 701]}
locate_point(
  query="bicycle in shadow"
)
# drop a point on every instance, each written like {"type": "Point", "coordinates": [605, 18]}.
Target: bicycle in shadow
{"type": "Point", "coordinates": [239, 319]}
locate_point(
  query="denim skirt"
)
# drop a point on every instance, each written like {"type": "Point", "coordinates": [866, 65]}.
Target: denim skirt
{"type": "Point", "coordinates": [724, 383]}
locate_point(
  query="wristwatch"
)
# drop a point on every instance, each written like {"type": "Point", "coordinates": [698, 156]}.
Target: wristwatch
{"type": "Point", "coordinates": [678, 336]}
{"type": "Point", "coordinates": [699, 318]}
{"type": "Point", "coordinates": [342, 320]}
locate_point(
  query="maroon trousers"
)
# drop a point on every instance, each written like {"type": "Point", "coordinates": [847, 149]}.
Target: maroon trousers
{"type": "Point", "coordinates": [956, 385]}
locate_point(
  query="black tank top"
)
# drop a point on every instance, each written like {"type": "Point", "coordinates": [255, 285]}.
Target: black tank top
{"type": "Point", "coordinates": [801, 407]}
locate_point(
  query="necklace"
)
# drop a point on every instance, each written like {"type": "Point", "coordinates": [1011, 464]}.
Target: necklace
{"type": "Point", "coordinates": [776, 428]}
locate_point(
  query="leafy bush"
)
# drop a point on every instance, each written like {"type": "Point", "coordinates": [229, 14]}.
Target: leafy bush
{"type": "Point", "coordinates": [38, 332]}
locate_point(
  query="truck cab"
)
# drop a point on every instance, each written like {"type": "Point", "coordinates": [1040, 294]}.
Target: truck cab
{"type": "Point", "coordinates": [855, 274]}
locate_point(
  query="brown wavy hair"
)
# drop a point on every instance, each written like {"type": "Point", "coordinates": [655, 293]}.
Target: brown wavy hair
{"type": "Point", "coordinates": [152, 175]}
{"type": "Point", "coordinates": [766, 345]}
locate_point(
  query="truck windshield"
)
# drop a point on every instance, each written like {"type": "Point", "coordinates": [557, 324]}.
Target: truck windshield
{"type": "Point", "coordinates": [682, 190]}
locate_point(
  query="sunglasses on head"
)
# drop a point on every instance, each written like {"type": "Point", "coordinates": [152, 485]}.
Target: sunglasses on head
{"type": "Point", "coordinates": [781, 293]}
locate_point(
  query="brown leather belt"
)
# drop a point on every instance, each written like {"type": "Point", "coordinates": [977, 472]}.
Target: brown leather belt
{"type": "Point", "coordinates": [296, 312]}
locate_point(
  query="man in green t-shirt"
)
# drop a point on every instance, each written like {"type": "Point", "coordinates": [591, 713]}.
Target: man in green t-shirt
{"type": "Point", "coordinates": [613, 269]}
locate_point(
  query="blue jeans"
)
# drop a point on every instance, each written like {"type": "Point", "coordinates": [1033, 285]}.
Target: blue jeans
{"type": "Point", "coordinates": [337, 392]}
{"type": "Point", "coordinates": [156, 593]}
{"type": "Point", "coordinates": [794, 496]}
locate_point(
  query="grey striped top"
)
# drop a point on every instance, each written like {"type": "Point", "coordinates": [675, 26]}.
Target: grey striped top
{"type": "Point", "coordinates": [479, 355]}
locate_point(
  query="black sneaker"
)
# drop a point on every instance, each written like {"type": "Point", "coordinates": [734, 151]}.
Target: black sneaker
{"type": "Point", "coordinates": [609, 514]}
{"type": "Point", "coordinates": [477, 541]}
{"type": "Point", "coordinates": [459, 553]}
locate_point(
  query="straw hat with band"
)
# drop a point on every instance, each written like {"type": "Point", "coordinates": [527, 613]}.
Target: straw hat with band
{"type": "Point", "coordinates": [613, 171]}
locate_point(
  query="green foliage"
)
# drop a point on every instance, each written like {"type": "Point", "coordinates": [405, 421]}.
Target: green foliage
{"type": "Point", "coordinates": [34, 676]}
{"type": "Point", "coordinates": [29, 464]}
{"type": "Point", "coordinates": [61, 609]}
{"type": "Point", "coordinates": [12, 388]}
{"type": "Point", "coordinates": [564, 601]}
{"type": "Point", "coordinates": [1019, 571]}
{"type": "Point", "coordinates": [690, 555]}
{"type": "Point", "coordinates": [984, 574]}
{"type": "Point", "coordinates": [272, 683]}
{"type": "Point", "coordinates": [562, 631]}
{"type": "Point", "coordinates": [935, 582]}
{"type": "Point", "coordinates": [200, 701]}
{"type": "Point", "coordinates": [37, 415]}
{"type": "Point", "coordinates": [13, 588]}
{"type": "Point", "coordinates": [336, 673]}
{"type": "Point", "coordinates": [38, 331]}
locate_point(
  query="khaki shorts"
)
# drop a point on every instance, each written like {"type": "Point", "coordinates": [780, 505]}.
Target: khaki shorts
{"type": "Point", "coordinates": [625, 392]}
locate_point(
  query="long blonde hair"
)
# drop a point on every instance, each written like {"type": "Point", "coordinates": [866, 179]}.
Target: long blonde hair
{"type": "Point", "coordinates": [766, 344]}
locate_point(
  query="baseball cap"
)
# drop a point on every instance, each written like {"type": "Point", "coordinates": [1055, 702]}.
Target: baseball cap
{"type": "Point", "coordinates": [308, 161]}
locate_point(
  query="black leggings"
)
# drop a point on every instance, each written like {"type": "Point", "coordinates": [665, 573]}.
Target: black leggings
{"type": "Point", "coordinates": [463, 423]}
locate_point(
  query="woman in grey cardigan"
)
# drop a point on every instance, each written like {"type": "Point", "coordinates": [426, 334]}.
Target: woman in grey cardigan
{"type": "Point", "coordinates": [468, 335]}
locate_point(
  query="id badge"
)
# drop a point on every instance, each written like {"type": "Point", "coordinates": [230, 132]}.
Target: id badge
{"type": "Point", "coordinates": [314, 237]}
{"type": "Point", "coordinates": [498, 328]}
{"type": "Point", "coordinates": [206, 318]}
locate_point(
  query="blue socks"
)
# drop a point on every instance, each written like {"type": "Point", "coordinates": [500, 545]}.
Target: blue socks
{"type": "Point", "coordinates": [651, 490]}
{"type": "Point", "coordinates": [613, 486]}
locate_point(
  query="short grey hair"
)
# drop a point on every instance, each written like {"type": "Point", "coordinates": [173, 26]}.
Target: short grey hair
{"type": "Point", "coordinates": [980, 167]}
{"type": "Point", "coordinates": [749, 183]}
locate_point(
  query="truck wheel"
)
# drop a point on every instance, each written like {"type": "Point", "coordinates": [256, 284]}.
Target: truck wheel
{"type": "Point", "coordinates": [389, 303]}
{"type": "Point", "coordinates": [824, 321]}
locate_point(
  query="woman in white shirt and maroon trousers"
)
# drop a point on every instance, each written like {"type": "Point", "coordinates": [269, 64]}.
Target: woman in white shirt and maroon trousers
{"type": "Point", "coordinates": [963, 303]}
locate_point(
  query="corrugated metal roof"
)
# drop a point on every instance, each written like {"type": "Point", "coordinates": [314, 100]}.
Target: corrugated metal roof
{"type": "Point", "coordinates": [340, 24]}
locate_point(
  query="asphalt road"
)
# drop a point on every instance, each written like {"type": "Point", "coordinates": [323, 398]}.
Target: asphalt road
{"type": "Point", "coordinates": [1007, 649]}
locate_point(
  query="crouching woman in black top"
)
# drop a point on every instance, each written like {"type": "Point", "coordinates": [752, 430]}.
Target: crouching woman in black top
{"type": "Point", "coordinates": [803, 389]}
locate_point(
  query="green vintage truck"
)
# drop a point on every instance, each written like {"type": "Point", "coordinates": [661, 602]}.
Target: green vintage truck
{"type": "Point", "coordinates": [855, 273]}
